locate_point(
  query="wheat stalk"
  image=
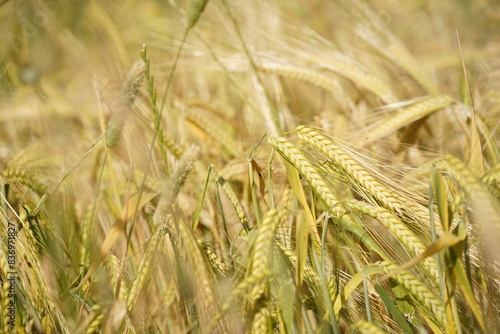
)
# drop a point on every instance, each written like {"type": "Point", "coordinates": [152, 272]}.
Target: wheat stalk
{"type": "Point", "coordinates": [293, 155]}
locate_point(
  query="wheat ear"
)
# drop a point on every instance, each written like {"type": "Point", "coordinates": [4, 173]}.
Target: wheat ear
{"type": "Point", "coordinates": [17, 175]}
{"type": "Point", "coordinates": [383, 194]}
{"type": "Point", "coordinates": [293, 155]}
{"type": "Point", "coordinates": [174, 184]}
{"type": "Point", "coordinates": [213, 131]}
{"type": "Point", "coordinates": [114, 268]}
{"type": "Point", "coordinates": [310, 275]}
{"type": "Point", "coordinates": [98, 315]}
{"type": "Point", "coordinates": [261, 323]}
{"type": "Point", "coordinates": [398, 229]}
{"type": "Point", "coordinates": [307, 76]}
{"type": "Point", "coordinates": [123, 106]}
{"type": "Point", "coordinates": [234, 201]}
{"type": "Point", "coordinates": [261, 253]}
{"type": "Point", "coordinates": [432, 305]}
{"type": "Point", "coordinates": [204, 288]}
{"type": "Point", "coordinates": [359, 76]}
{"type": "Point", "coordinates": [144, 267]}
{"type": "Point", "coordinates": [213, 256]}
{"type": "Point", "coordinates": [485, 206]}
{"type": "Point", "coordinates": [407, 116]}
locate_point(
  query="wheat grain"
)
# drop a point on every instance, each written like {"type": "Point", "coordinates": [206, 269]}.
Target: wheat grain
{"type": "Point", "coordinates": [213, 256]}
{"type": "Point", "coordinates": [365, 327]}
{"type": "Point", "coordinates": [98, 315]}
{"type": "Point", "coordinates": [261, 253]}
{"type": "Point", "coordinates": [492, 176]}
{"type": "Point", "coordinates": [261, 323]}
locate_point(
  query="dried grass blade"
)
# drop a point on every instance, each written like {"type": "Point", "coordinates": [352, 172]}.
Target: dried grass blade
{"type": "Point", "coordinates": [303, 224]}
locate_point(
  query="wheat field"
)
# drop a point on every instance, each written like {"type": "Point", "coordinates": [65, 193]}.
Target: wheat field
{"type": "Point", "coordinates": [249, 166]}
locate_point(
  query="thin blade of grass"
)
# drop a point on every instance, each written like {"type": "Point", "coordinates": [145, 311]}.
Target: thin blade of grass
{"type": "Point", "coordinates": [465, 286]}
{"type": "Point", "coordinates": [302, 224]}
{"type": "Point", "coordinates": [201, 199]}
{"type": "Point", "coordinates": [439, 187]}
{"type": "Point", "coordinates": [352, 285]}
{"type": "Point", "coordinates": [475, 158]}
{"type": "Point", "coordinates": [393, 309]}
{"type": "Point", "coordinates": [286, 305]}
{"type": "Point", "coordinates": [445, 241]}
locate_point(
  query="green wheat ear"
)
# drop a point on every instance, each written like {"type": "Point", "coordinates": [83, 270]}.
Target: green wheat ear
{"type": "Point", "coordinates": [197, 7]}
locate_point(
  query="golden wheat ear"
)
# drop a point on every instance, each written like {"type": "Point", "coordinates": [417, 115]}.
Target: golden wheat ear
{"type": "Point", "coordinates": [122, 107]}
